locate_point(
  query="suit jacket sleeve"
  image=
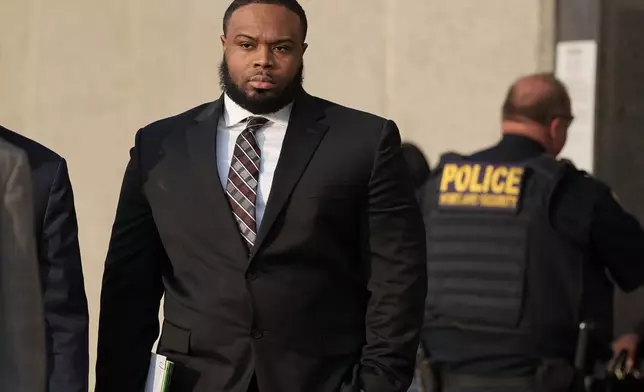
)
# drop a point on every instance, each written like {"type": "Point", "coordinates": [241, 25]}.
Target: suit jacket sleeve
{"type": "Point", "coordinates": [66, 314]}
{"type": "Point", "coordinates": [397, 277]}
{"type": "Point", "coordinates": [132, 288]}
{"type": "Point", "coordinates": [22, 331]}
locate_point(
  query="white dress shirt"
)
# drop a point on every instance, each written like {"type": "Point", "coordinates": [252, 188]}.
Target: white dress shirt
{"type": "Point", "coordinates": [269, 139]}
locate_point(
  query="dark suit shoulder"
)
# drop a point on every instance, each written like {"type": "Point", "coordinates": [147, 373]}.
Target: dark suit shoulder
{"type": "Point", "coordinates": [36, 152]}
{"type": "Point", "coordinates": [10, 157]}
{"type": "Point", "coordinates": [149, 140]}
{"type": "Point", "coordinates": [10, 152]}
{"type": "Point", "coordinates": [165, 125]}
{"type": "Point", "coordinates": [335, 111]}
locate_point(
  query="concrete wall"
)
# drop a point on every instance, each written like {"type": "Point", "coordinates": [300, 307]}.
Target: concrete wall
{"type": "Point", "coordinates": [81, 76]}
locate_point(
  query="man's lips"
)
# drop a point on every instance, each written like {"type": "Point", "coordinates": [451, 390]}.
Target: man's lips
{"type": "Point", "coordinates": [261, 84]}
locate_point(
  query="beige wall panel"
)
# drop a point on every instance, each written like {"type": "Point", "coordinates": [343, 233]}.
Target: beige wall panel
{"type": "Point", "coordinates": [347, 52]}
{"type": "Point", "coordinates": [454, 62]}
{"type": "Point", "coordinates": [14, 51]}
{"type": "Point", "coordinates": [178, 54]}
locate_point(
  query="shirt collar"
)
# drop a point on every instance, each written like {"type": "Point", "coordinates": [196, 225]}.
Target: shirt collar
{"type": "Point", "coordinates": [522, 144]}
{"type": "Point", "coordinates": [234, 114]}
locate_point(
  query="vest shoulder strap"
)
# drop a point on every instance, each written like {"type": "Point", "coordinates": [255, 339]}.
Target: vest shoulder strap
{"type": "Point", "coordinates": [449, 156]}
{"type": "Point", "coordinates": [554, 173]}
{"type": "Point", "coordinates": [551, 169]}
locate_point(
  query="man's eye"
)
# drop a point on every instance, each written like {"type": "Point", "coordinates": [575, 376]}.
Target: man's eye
{"type": "Point", "coordinates": [282, 48]}
{"type": "Point", "coordinates": [246, 45]}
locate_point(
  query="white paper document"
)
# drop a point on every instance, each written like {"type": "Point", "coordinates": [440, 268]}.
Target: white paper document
{"type": "Point", "coordinates": [159, 374]}
{"type": "Point", "coordinates": [576, 67]}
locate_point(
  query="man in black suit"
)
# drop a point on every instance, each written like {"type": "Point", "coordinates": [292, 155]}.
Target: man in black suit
{"type": "Point", "coordinates": [22, 329]}
{"type": "Point", "coordinates": [282, 228]}
{"type": "Point", "coordinates": [63, 288]}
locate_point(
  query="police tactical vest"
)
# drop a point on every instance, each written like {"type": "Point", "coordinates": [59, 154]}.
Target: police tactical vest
{"type": "Point", "coordinates": [488, 227]}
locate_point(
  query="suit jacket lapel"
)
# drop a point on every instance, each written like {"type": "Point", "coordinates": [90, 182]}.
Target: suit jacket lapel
{"type": "Point", "coordinates": [202, 139]}
{"type": "Point", "coordinates": [202, 149]}
{"type": "Point", "coordinates": [303, 135]}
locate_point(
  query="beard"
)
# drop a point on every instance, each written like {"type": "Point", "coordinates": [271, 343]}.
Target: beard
{"type": "Point", "coordinates": [264, 102]}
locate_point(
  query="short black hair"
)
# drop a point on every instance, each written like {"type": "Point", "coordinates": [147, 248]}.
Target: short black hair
{"type": "Point", "coordinates": [292, 5]}
{"type": "Point", "coordinates": [539, 97]}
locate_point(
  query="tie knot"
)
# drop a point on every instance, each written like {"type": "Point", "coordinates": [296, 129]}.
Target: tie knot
{"type": "Point", "coordinates": [255, 122]}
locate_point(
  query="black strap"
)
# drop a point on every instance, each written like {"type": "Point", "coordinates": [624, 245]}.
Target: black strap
{"type": "Point", "coordinates": [448, 157]}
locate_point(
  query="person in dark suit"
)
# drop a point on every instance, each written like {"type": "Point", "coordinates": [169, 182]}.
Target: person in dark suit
{"type": "Point", "coordinates": [282, 229]}
{"type": "Point", "coordinates": [417, 163]}
{"type": "Point", "coordinates": [418, 167]}
{"type": "Point", "coordinates": [63, 288]}
{"type": "Point", "coordinates": [22, 330]}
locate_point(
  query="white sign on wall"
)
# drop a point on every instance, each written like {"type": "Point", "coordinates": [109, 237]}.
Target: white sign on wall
{"type": "Point", "coordinates": [576, 67]}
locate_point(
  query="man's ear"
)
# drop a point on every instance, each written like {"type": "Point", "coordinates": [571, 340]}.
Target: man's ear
{"type": "Point", "coordinates": [223, 41]}
{"type": "Point", "coordinates": [555, 126]}
{"type": "Point", "coordinates": [304, 47]}
{"type": "Point", "coordinates": [552, 127]}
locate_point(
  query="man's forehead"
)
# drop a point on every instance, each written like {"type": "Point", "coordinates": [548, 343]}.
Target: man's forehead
{"type": "Point", "coordinates": [264, 19]}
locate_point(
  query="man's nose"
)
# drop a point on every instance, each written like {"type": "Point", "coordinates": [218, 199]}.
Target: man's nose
{"type": "Point", "coordinates": [264, 57]}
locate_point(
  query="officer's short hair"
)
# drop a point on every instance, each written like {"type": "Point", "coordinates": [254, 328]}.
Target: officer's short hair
{"type": "Point", "coordinates": [538, 97]}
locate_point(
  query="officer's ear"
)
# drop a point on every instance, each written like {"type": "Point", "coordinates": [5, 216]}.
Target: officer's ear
{"type": "Point", "coordinates": [562, 121]}
{"type": "Point", "coordinates": [558, 132]}
{"type": "Point", "coordinates": [555, 125]}
{"type": "Point", "coordinates": [559, 125]}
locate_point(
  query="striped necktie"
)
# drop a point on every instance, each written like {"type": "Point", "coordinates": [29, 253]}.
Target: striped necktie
{"type": "Point", "coordinates": [243, 178]}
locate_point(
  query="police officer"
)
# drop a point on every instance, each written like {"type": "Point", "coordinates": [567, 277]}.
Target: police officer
{"type": "Point", "coordinates": [519, 246]}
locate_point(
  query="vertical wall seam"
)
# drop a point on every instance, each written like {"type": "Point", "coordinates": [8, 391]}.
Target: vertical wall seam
{"type": "Point", "coordinates": [390, 56]}
{"type": "Point", "coordinates": [30, 97]}
{"type": "Point", "coordinates": [546, 35]}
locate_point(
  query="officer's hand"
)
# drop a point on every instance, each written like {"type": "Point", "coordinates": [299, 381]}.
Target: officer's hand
{"type": "Point", "coordinates": [628, 343]}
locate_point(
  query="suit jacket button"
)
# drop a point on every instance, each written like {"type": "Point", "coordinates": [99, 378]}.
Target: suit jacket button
{"type": "Point", "coordinates": [256, 334]}
{"type": "Point", "coordinates": [251, 276]}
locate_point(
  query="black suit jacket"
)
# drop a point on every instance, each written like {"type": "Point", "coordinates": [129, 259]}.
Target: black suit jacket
{"type": "Point", "coordinates": [66, 314]}
{"type": "Point", "coordinates": [22, 327]}
{"type": "Point", "coordinates": [330, 297]}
